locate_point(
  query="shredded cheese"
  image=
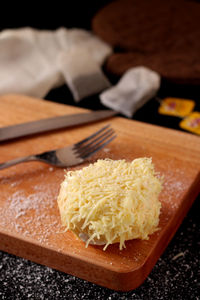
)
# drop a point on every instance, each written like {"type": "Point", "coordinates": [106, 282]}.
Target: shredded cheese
{"type": "Point", "coordinates": [111, 201]}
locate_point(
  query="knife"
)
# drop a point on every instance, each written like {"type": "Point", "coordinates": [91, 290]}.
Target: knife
{"type": "Point", "coordinates": [44, 125]}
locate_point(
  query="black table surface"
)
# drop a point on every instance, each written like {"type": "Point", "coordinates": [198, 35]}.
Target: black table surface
{"type": "Point", "coordinates": [176, 274]}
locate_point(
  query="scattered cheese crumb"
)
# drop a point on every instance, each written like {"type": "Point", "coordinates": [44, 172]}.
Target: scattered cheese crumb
{"type": "Point", "coordinates": [178, 255]}
{"type": "Point", "coordinates": [111, 201]}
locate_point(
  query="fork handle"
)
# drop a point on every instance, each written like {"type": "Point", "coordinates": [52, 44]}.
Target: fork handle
{"type": "Point", "coordinates": [16, 161]}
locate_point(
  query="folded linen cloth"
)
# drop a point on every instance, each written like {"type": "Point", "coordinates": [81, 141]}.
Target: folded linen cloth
{"type": "Point", "coordinates": [35, 61]}
{"type": "Point", "coordinates": [134, 89]}
{"type": "Point", "coordinates": [82, 74]}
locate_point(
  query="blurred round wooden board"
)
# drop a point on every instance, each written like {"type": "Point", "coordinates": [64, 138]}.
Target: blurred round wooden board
{"type": "Point", "coordinates": [30, 224]}
{"type": "Point", "coordinates": [161, 35]}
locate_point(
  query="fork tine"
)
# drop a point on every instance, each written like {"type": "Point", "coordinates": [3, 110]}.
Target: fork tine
{"type": "Point", "coordinates": [91, 148]}
{"type": "Point", "coordinates": [92, 135]}
{"type": "Point", "coordinates": [94, 150]}
{"type": "Point", "coordinates": [93, 142]}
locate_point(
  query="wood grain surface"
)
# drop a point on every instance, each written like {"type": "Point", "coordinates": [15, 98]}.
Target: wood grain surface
{"type": "Point", "coordinates": [30, 224]}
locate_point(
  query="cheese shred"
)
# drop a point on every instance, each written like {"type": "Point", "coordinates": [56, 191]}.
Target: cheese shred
{"type": "Point", "coordinates": [111, 201]}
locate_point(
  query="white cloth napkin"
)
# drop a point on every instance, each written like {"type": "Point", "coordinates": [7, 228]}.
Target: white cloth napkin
{"type": "Point", "coordinates": [33, 61]}
{"type": "Point", "coordinates": [82, 73]}
{"type": "Point", "coordinates": [134, 89]}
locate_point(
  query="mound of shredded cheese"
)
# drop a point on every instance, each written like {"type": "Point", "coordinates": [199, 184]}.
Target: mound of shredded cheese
{"type": "Point", "coordinates": [111, 201]}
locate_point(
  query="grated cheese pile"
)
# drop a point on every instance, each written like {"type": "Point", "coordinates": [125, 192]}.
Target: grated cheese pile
{"type": "Point", "coordinates": [111, 201]}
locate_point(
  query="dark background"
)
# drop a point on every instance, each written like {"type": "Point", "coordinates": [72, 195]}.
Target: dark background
{"type": "Point", "coordinates": [171, 278]}
{"type": "Point", "coordinates": [70, 14]}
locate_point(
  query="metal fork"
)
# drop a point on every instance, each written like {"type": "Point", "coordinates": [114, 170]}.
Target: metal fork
{"type": "Point", "coordinates": [71, 155]}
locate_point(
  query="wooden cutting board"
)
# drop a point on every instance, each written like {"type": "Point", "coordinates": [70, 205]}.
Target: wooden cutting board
{"type": "Point", "coordinates": [30, 224]}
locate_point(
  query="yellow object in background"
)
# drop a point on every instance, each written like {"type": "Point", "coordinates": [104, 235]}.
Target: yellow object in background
{"type": "Point", "coordinates": [176, 107]}
{"type": "Point", "coordinates": [191, 122]}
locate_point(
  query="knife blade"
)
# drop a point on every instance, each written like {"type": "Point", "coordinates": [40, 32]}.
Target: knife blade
{"type": "Point", "coordinates": [44, 125]}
